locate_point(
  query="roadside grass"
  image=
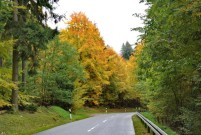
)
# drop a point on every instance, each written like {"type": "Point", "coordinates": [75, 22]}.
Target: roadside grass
{"type": "Point", "coordinates": [60, 111]}
{"type": "Point", "coordinates": [138, 126]}
{"type": "Point", "coordinates": [166, 129]}
{"type": "Point", "coordinates": [25, 123]}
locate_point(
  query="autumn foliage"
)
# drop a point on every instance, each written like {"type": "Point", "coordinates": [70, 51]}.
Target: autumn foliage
{"type": "Point", "coordinates": [74, 69]}
{"type": "Point", "coordinates": [105, 71]}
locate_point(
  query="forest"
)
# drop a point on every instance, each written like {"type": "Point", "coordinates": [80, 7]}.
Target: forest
{"type": "Point", "coordinates": [74, 68]}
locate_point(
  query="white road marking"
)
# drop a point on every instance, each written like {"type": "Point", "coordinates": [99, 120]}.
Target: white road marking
{"type": "Point", "coordinates": [93, 128]}
{"type": "Point", "coordinates": [104, 121]}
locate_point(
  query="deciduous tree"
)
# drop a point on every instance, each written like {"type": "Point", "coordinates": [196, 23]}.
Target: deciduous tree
{"type": "Point", "coordinates": [169, 65]}
{"type": "Point", "coordinates": [84, 35]}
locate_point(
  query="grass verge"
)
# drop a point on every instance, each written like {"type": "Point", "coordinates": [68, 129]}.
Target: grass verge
{"type": "Point", "coordinates": [166, 129]}
{"type": "Point", "coordinates": [138, 126]}
{"type": "Point", "coordinates": [25, 123]}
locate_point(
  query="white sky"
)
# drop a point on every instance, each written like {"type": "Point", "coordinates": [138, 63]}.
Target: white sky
{"type": "Point", "coordinates": [112, 17]}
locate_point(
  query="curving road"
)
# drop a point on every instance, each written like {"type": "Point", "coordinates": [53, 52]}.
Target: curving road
{"type": "Point", "coordinates": [104, 124]}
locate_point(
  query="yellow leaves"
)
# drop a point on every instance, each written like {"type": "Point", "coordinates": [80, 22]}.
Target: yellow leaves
{"type": "Point", "coordinates": [78, 100]}
{"type": "Point", "coordinates": [132, 63]}
{"type": "Point", "coordinates": [83, 34]}
{"type": "Point", "coordinates": [4, 103]}
{"type": "Point", "coordinates": [5, 48]}
{"type": "Point", "coordinates": [105, 70]}
{"type": "Point", "coordinates": [25, 99]}
{"type": "Point", "coordinates": [6, 86]}
{"type": "Point", "coordinates": [5, 79]}
{"type": "Point", "coordinates": [131, 69]}
{"type": "Point", "coordinates": [103, 66]}
{"type": "Point", "coordinates": [20, 7]}
{"type": "Point", "coordinates": [139, 47]}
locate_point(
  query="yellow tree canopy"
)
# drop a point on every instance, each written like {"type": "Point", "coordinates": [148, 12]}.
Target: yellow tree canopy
{"type": "Point", "coordinates": [85, 36]}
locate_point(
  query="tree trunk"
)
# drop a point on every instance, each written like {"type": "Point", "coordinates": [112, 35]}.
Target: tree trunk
{"type": "Point", "coordinates": [1, 62]}
{"type": "Point", "coordinates": [15, 59]}
{"type": "Point", "coordinates": [23, 72]}
{"type": "Point", "coordinates": [15, 78]}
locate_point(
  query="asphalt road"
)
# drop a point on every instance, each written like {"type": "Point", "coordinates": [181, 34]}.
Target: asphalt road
{"type": "Point", "coordinates": [103, 124]}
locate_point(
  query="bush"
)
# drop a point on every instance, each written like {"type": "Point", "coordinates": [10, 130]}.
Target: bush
{"type": "Point", "coordinates": [31, 108]}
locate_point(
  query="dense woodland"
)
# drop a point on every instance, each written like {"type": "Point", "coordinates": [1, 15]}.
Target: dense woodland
{"type": "Point", "coordinates": [70, 68]}
{"type": "Point", "coordinates": [73, 68]}
{"type": "Point", "coordinates": [169, 66]}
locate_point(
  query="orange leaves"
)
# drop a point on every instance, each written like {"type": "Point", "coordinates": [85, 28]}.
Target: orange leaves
{"type": "Point", "coordinates": [107, 75]}
{"type": "Point", "coordinates": [83, 34]}
{"type": "Point", "coordinates": [80, 31]}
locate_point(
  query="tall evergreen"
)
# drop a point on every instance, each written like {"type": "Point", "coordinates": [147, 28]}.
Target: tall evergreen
{"type": "Point", "coordinates": [28, 21]}
{"type": "Point", "coordinates": [126, 50]}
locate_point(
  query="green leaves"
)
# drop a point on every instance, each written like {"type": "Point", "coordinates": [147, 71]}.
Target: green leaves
{"type": "Point", "coordinates": [5, 15]}
{"type": "Point", "coordinates": [59, 69]}
{"type": "Point", "coordinates": [168, 62]}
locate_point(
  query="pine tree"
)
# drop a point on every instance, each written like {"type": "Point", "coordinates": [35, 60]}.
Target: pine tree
{"type": "Point", "coordinates": [22, 11]}
{"type": "Point", "coordinates": [126, 50]}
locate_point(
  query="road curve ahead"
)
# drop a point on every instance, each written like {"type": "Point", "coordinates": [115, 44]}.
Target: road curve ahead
{"type": "Point", "coordinates": [103, 124]}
